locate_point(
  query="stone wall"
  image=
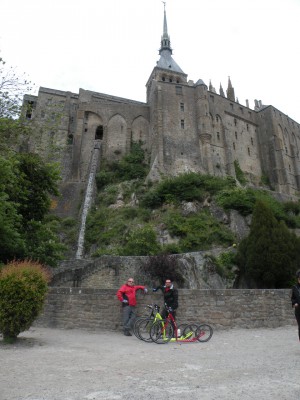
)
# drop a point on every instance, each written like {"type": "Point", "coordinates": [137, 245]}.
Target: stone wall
{"type": "Point", "coordinates": [95, 309]}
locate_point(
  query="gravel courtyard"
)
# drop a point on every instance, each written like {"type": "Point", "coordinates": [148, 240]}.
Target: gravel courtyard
{"type": "Point", "coordinates": [53, 364]}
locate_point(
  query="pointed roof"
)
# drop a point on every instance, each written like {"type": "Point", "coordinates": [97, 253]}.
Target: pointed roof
{"type": "Point", "coordinates": [221, 91]}
{"type": "Point", "coordinates": [230, 91]}
{"type": "Point", "coordinates": [166, 61]}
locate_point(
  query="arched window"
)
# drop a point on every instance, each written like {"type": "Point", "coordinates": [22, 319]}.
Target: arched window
{"type": "Point", "coordinates": [70, 139]}
{"type": "Point", "coordinates": [99, 133]}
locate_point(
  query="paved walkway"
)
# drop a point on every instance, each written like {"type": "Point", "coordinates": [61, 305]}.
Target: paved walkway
{"type": "Point", "coordinates": [52, 364]}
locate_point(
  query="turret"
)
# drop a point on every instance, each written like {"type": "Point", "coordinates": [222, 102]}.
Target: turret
{"type": "Point", "coordinates": [221, 91]}
{"type": "Point", "coordinates": [230, 91]}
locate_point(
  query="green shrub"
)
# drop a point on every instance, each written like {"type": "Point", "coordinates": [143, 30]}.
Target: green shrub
{"type": "Point", "coordinates": [172, 248]}
{"type": "Point", "coordinates": [198, 231]}
{"type": "Point", "coordinates": [240, 176]}
{"type": "Point", "coordinates": [265, 180]}
{"type": "Point", "coordinates": [185, 187]}
{"type": "Point", "coordinates": [242, 200]}
{"type": "Point", "coordinates": [131, 166]}
{"type": "Point", "coordinates": [162, 267]}
{"type": "Point", "coordinates": [225, 263]}
{"type": "Point", "coordinates": [141, 242]}
{"type": "Point", "coordinates": [23, 287]}
{"type": "Point", "coordinates": [292, 207]}
{"type": "Point", "coordinates": [104, 178]}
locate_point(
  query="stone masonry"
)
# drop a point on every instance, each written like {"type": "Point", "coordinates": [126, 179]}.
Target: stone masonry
{"type": "Point", "coordinates": [96, 309]}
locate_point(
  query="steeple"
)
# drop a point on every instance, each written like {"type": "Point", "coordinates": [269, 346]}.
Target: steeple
{"type": "Point", "coordinates": [166, 61]}
{"type": "Point", "coordinates": [230, 91]}
{"type": "Point", "coordinates": [221, 91]}
{"type": "Point", "coordinates": [165, 43]}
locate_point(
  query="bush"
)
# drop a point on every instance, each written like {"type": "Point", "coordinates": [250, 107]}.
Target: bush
{"type": "Point", "coordinates": [141, 242]}
{"type": "Point", "coordinates": [240, 176]}
{"type": "Point", "coordinates": [198, 231]}
{"type": "Point", "coordinates": [131, 166]}
{"type": "Point", "coordinates": [162, 267]}
{"type": "Point", "coordinates": [185, 187]}
{"type": "Point", "coordinates": [23, 287]}
{"type": "Point", "coordinates": [242, 200]}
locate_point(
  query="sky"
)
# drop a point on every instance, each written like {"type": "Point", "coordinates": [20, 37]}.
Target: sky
{"type": "Point", "coordinates": [111, 46]}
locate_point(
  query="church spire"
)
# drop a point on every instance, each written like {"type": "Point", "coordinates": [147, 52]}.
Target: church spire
{"type": "Point", "coordinates": [221, 91]}
{"type": "Point", "coordinates": [165, 43]}
{"type": "Point", "coordinates": [230, 91]}
{"type": "Point", "coordinates": [166, 61]}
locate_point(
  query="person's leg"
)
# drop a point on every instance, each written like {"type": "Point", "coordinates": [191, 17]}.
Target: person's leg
{"type": "Point", "coordinates": [126, 318]}
{"type": "Point", "coordinates": [297, 315]}
{"type": "Point", "coordinates": [131, 319]}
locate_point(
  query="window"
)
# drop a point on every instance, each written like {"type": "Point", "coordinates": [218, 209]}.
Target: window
{"type": "Point", "coordinates": [181, 106]}
{"type": "Point", "coordinates": [99, 133]}
{"type": "Point", "coordinates": [212, 98]}
{"type": "Point", "coordinates": [70, 139]}
{"type": "Point", "coordinates": [235, 135]}
{"type": "Point", "coordinates": [178, 89]}
{"type": "Point", "coordinates": [252, 141]}
{"type": "Point", "coordinates": [247, 126]}
{"type": "Point", "coordinates": [218, 135]}
{"type": "Point", "coordinates": [29, 109]}
{"type": "Point", "coordinates": [235, 121]}
{"type": "Point", "coordinates": [233, 145]}
{"type": "Point", "coordinates": [248, 151]}
{"type": "Point", "coordinates": [182, 124]}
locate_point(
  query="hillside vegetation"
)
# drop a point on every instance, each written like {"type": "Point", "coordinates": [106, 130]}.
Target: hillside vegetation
{"type": "Point", "coordinates": [131, 217]}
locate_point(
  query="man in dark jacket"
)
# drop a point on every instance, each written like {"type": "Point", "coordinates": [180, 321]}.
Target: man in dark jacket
{"type": "Point", "coordinates": [170, 297]}
{"type": "Point", "coordinates": [296, 300]}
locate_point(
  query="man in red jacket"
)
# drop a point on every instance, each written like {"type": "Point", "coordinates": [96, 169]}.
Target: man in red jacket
{"type": "Point", "coordinates": [126, 295]}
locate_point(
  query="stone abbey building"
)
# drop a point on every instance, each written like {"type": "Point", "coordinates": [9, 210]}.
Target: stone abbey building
{"type": "Point", "coordinates": [184, 126]}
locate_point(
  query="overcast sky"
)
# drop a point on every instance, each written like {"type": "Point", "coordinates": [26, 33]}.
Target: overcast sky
{"type": "Point", "coordinates": [111, 46]}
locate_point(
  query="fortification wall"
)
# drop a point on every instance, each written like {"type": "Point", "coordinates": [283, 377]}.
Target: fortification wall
{"type": "Point", "coordinates": [95, 309]}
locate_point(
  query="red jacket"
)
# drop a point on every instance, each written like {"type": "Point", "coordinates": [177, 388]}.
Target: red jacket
{"type": "Point", "coordinates": [127, 292]}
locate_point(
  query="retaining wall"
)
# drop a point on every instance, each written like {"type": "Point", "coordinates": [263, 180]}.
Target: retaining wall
{"type": "Point", "coordinates": [95, 309]}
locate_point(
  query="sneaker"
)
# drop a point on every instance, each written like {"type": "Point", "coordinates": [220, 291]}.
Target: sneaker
{"type": "Point", "coordinates": [127, 333]}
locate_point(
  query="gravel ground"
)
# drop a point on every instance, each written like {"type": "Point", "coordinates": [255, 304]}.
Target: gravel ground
{"type": "Point", "coordinates": [54, 364]}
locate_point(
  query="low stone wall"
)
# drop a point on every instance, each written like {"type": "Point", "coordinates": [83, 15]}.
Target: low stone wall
{"type": "Point", "coordinates": [95, 309]}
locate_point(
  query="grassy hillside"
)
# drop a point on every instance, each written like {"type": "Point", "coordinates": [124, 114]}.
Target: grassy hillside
{"type": "Point", "coordinates": [130, 217]}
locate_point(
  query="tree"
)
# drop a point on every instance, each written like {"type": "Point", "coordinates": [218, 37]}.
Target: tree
{"type": "Point", "coordinates": [23, 287]}
{"type": "Point", "coordinates": [26, 184]}
{"type": "Point", "coordinates": [12, 124]}
{"type": "Point", "coordinates": [37, 181]}
{"type": "Point", "coordinates": [11, 240]}
{"type": "Point", "coordinates": [162, 267]}
{"type": "Point", "coordinates": [12, 89]}
{"type": "Point", "coordinates": [268, 256]}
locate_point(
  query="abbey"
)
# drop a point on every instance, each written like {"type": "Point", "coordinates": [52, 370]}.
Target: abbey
{"type": "Point", "coordinates": [184, 126]}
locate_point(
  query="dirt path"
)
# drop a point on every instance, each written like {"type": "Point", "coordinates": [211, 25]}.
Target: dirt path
{"type": "Point", "coordinates": [52, 364]}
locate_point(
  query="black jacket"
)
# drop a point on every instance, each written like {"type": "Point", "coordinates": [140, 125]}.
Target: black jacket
{"type": "Point", "coordinates": [295, 298]}
{"type": "Point", "coordinates": [170, 295]}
